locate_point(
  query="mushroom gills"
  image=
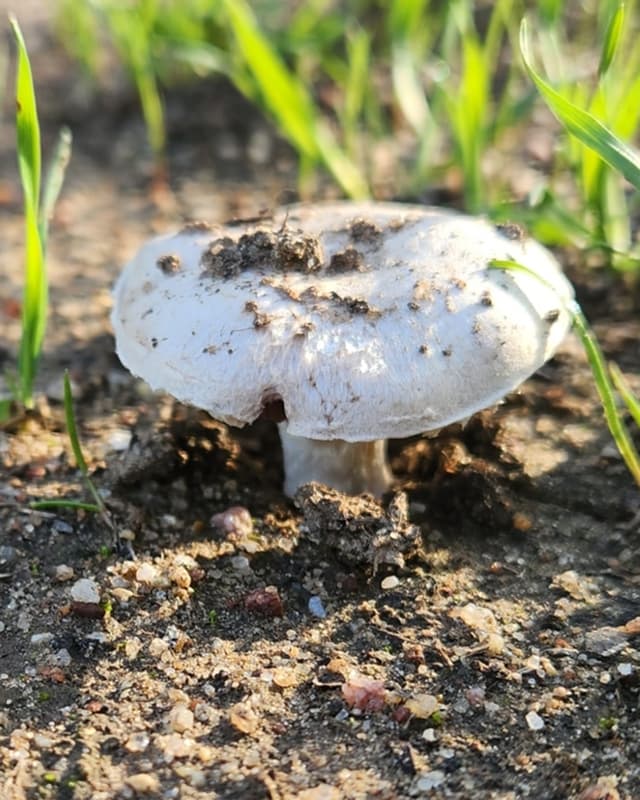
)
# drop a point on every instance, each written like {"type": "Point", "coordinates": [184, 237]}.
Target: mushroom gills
{"type": "Point", "coordinates": [350, 467]}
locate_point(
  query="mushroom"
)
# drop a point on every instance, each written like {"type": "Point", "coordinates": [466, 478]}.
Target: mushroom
{"type": "Point", "coordinates": [347, 323]}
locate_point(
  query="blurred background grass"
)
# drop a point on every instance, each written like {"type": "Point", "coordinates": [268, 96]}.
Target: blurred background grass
{"type": "Point", "coordinates": [432, 94]}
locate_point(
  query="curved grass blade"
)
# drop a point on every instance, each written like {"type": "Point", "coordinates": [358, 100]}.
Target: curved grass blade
{"type": "Point", "coordinates": [584, 126]}
{"type": "Point", "coordinates": [604, 385]}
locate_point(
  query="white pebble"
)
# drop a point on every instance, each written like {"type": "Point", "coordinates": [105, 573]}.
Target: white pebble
{"type": "Point", "coordinates": [625, 669]}
{"type": "Point", "coordinates": [430, 780]}
{"type": "Point", "coordinates": [85, 591]}
{"type": "Point", "coordinates": [390, 582]}
{"type": "Point", "coordinates": [63, 572]}
{"type": "Point", "coordinates": [181, 718]}
{"type": "Point", "coordinates": [316, 608]}
{"type": "Point", "coordinates": [41, 638]}
{"type": "Point", "coordinates": [534, 721]}
{"type": "Point", "coordinates": [62, 658]}
{"type": "Point", "coordinates": [240, 563]}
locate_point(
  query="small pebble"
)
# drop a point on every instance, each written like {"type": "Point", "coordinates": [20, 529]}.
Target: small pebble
{"type": "Point", "coordinates": [147, 573]}
{"type": "Point", "coordinates": [625, 669]}
{"type": "Point", "coordinates": [422, 705]}
{"type": "Point", "coordinates": [8, 555]}
{"type": "Point", "coordinates": [322, 792]}
{"type": "Point", "coordinates": [63, 572]}
{"type": "Point", "coordinates": [243, 718]}
{"type": "Point", "coordinates": [85, 590]}
{"type": "Point", "coordinates": [62, 658]}
{"type": "Point", "coordinates": [181, 718]}
{"type": "Point", "coordinates": [137, 742]}
{"type": "Point", "coordinates": [60, 526]}
{"type": "Point", "coordinates": [390, 582]}
{"type": "Point", "coordinates": [144, 783]}
{"type": "Point", "coordinates": [240, 563]}
{"type": "Point", "coordinates": [235, 521]}
{"type": "Point", "coordinates": [430, 780]}
{"type": "Point", "coordinates": [534, 721]}
{"type": "Point", "coordinates": [316, 608]}
{"type": "Point", "coordinates": [41, 638]}
{"type": "Point", "coordinates": [119, 439]}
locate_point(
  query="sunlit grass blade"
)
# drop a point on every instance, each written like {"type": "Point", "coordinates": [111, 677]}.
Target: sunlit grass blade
{"type": "Point", "coordinates": [289, 102]}
{"type": "Point", "coordinates": [611, 41]}
{"type": "Point", "coordinates": [624, 390]}
{"type": "Point", "coordinates": [345, 172]}
{"type": "Point", "coordinates": [35, 293]}
{"type": "Point", "coordinates": [283, 94]}
{"type": "Point", "coordinates": [583, 125]}
{"type": "Point", "coordinates": [598, 365]}
{"type": "Point", "coordinates": [27, 127]}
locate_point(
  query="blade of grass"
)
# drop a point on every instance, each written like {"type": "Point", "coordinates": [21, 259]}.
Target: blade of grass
{"type": "Point", "coordinates": [72, 431]}
{"type": "Point", "coordinates": [624, 390]}
{"type": "Point", "coordinates": [612, 38]}
{"type": "Point", "coordinates": [289, 102]}
{"type": "Point", "coordinates": [285, 97]}
{"type": "Point", "coordinates": [598, 365]}
{"type": "Point", "coordinates": [581, 124]}
{"type": "Point", "coordinates": [35, 293]}
{"type": "Point", "coordinates": [43, 505]}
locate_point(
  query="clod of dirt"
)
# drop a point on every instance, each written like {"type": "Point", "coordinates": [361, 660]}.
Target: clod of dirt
{"type": "Point", "coordinates": [284, 250]}
{"type": "Point", "coordinates": [169, 264]}
{"type": "Point", "coordinates": [358, 529]}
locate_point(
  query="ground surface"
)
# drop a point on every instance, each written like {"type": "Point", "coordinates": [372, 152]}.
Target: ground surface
{"type": "Point", "coordinates": [499, 659]}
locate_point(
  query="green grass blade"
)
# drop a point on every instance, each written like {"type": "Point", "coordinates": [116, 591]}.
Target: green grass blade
{"type": "Point", "coordinates": [606, 391]}
{"type": "Point", "coordinates": [283, 94]}
{"type": "Point", "coordinates": [72, 429]}
{"type": "Point", "coordinates": [355, 85]}
{"type": "Point", "coordinates": [53, 182]}
{"type": "Point", "coordinates": [28, 129]}
{"type": "Point", "coordinates": [598, 365]}
{"type": "Point", "coordinates": [583, 125]}
{"type": "Point", "coordinates": [35, 293]}
{"type": "Point", "coordinates": [43, 505]}
{"type": "Point", "coordinates": [612, 38]}
{"type": "Point", "coordinates": [345, 172]}
{"type": "Point", "coordinates": [624, 390]}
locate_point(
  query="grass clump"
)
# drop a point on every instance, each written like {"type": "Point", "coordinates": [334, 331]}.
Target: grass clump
{"type": "Point", "coordinates": [599, 122]}
{"type": "Point", "coordinates": [442, 87]}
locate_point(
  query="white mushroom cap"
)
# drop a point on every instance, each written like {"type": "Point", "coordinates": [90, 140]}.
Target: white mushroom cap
{"type": "Point", "coordinates": [368, 320]}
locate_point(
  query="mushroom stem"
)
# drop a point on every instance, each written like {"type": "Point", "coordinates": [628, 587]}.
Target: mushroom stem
{"type": "Point", "coordinates": [350, 467]}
